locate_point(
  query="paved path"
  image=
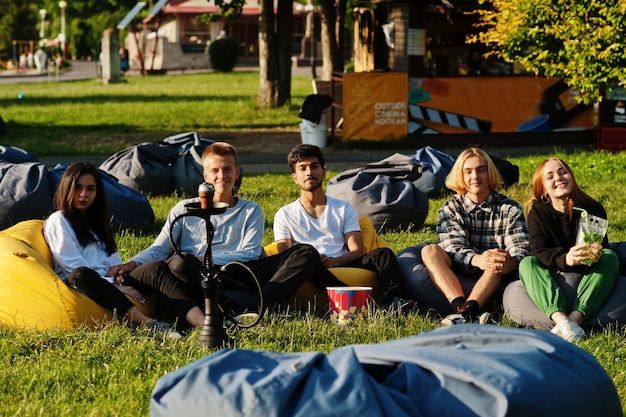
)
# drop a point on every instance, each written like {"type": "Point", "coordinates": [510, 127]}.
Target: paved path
{"type": "Point", "coordinates": [80, 70]}
{"type": "Point", "coordinates": [84, 70]}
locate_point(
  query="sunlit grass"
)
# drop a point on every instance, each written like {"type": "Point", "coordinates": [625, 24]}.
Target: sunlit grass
{"type": "Point", "coordinates": [87, 117]}
{"type": "Point", "coordinates": [112, 371]}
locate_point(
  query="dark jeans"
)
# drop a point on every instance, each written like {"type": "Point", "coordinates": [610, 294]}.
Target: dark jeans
{"type": "Point", "coordinates": [279, 277]}
{"type": "Point", "coordinates": [384, 262]}
{"type": "Point", "coordinates": [153, 278]}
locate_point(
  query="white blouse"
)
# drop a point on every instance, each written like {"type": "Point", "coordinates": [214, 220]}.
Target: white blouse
{"type": "Point", "coordinates": [68, 254]}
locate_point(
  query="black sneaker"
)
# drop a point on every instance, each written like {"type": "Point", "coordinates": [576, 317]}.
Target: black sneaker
{"type": "Point", "coordinates": [402, 306]}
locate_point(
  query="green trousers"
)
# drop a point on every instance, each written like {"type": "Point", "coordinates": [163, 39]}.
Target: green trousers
{"type": "Point", "coordinates": [593, 289]}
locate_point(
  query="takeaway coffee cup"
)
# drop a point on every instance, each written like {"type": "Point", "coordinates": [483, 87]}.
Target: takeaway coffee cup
{"type": "Point", "coordinates": [348, 304]}
{"type": "Point", "coordinates": [206, 192]}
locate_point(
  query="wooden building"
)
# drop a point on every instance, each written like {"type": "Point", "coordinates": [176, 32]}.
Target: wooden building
{"type": "Point", "coordinates": [451, 86]}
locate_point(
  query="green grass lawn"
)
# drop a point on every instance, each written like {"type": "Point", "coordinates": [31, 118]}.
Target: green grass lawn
{"type": "Point", "coordinates": [89, 118]}
{"type": "Point", "coordinates": [111, 372]}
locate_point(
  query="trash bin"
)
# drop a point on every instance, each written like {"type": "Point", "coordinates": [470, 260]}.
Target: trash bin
{"type": "Point", "coordinates": [314, 128]}
{"type": "Point", "coordinates": [314, 133]}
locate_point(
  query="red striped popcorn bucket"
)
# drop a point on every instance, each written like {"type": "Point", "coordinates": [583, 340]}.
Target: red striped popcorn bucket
{"type": "Point", "coordinates": [348, 304]}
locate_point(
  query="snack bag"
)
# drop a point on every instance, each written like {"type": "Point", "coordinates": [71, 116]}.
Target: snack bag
{"type": "Point", "coordinates": [591, 229]}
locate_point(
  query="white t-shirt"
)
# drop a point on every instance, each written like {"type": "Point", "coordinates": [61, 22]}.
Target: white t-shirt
{"type": "Point", "coordinates": [68, 254]}
{"type": "Point", "coordinates": [326, 233]}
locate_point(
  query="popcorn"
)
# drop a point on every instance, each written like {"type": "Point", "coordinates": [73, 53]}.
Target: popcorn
{"type": "Point", "coordinates": [348, 304]}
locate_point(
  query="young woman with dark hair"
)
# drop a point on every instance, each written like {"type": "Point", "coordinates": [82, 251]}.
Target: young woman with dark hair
{"type": "Point", "coordinates": [85, 255]}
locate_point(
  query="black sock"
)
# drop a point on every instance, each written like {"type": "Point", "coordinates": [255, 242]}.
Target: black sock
{"type": "Point", "coordinates": [471, 308]}
{"type": "Point", "coordinates": [458, 303]}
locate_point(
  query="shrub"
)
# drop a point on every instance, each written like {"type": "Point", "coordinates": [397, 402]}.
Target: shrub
{"type": "Point", "coordinates": [223, 54]}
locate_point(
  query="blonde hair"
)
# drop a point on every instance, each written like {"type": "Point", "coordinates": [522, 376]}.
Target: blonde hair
{"type": "Point", "coordinates": [455, 181]}
{"type": "Point", "coordinates": [221, 149]}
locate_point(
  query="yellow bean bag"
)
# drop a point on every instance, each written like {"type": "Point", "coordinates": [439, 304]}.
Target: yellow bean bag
{"type": "Point", "coordinates": [32, 295]}
{"type": "Point", "coordinates": [310, 295]}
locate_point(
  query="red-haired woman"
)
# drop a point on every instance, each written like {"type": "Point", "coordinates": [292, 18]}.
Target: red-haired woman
{"type": "Point", "coordinates": [555, 212]}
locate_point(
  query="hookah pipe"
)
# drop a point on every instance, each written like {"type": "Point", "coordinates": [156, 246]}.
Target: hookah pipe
{"type": "Point", "coordinates": [213, 332]}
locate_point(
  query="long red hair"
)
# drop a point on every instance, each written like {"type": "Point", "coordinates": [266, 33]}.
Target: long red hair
{"type": "Point", "coordinates": [576, 197]}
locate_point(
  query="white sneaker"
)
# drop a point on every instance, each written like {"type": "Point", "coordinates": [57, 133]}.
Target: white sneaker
{"type": "Point", "coordinates": [485, 318]}
{"type": "Point", "coordinates": [159, 326]}
{"type": "Point", "coordinates": [453, 319]}
{"type": "Point", "coordinates": [243, 319]}
{"type": "Point", "coordinates": [568, 330]}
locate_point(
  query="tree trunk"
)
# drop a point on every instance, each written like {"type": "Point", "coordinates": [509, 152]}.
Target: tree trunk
{"type": "Point", "coordinates": [327, 54]}
{"type": "Point", "coordinates": [268, 79]}
{"type": "Point", "coordinates": [333, 18]}
{"type": "Point", "coordinates": [275, 39]}
{"type": "Point", "coordinates": [339, 59]}
{"type": "Point", "coordinates": [284, 35]}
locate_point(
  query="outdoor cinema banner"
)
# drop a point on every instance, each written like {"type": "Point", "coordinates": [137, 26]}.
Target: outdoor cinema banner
{"type": "Point", "coordinates": [390, 105]}
{"type": "Point", "coordinates": [493, 104]}
{"type": "Point", "coordinates": [375, 105]}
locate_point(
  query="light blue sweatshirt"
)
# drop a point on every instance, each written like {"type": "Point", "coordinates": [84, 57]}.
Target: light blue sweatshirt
{"type": "Point", "coordinates": [238, 234]}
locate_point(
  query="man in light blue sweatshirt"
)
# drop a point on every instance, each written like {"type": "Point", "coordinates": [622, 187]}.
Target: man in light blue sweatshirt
{"type": "Point", "coordinates": [238, 238]}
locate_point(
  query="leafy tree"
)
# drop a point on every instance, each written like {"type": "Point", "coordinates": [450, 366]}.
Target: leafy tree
{"type": "Point", "coordinates": [18, 21]}
{"type": "Point", "coordinates": [581, 41]}
{"type": "Point", "coordinates": [87, 19]}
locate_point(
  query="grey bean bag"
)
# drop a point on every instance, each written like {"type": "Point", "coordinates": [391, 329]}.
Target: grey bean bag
{"type": "Point", "coordinates": [522, 310]}
{"type": "Point", "coordinates": [24, 192]}
{"type": "Point", "coordinates": [146, 167]}
{"type": "Point", "coordinates": [384, 192]}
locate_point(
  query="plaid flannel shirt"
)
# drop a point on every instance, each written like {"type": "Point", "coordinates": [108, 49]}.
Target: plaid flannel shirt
{"type": "Point", "coordinates": [465, 229]}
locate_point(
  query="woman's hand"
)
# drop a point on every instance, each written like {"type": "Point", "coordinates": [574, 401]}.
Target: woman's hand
{"type": "Point", "coordinates": [131, 292]}
{"type": "Point", "coordinates": [583, 254]}
{"type": "Point", "coordinates": [594, 252]}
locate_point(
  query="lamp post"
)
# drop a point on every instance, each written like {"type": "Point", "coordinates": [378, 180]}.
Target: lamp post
{"type": "Point", "coordinates": [42, 30]}
{"type": "Point", "coordinates": [62, 6]}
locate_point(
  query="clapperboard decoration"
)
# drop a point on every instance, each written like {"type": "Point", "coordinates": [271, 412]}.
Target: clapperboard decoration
{"type": "Point", "coordinates": [422, 117]}
{"type": "Point", "coordinates": [416, 128]}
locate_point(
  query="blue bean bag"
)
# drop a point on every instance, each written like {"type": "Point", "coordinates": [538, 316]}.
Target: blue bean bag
{"type": "Point", "coordinates": [470, 370]}
{"type": "Point", "coordinates": [416, 284]}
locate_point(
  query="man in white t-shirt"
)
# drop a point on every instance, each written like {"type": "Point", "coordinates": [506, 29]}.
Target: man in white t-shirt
{"type": "Point", "coordinates": [236, 242]}
{"type": "Point", "coordinates": [331, 226]}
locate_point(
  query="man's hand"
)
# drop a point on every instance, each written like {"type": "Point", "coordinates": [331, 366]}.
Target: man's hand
{"type": "Point", "coordinates": [329, 262]}
{"type": "Point", "coordinates": [497, 261]}
{"type": "Point", "coordinates": [118, 272]}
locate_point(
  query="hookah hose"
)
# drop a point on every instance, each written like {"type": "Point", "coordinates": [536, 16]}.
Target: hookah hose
{"type": "Point", "coordinates": [209, 271]}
